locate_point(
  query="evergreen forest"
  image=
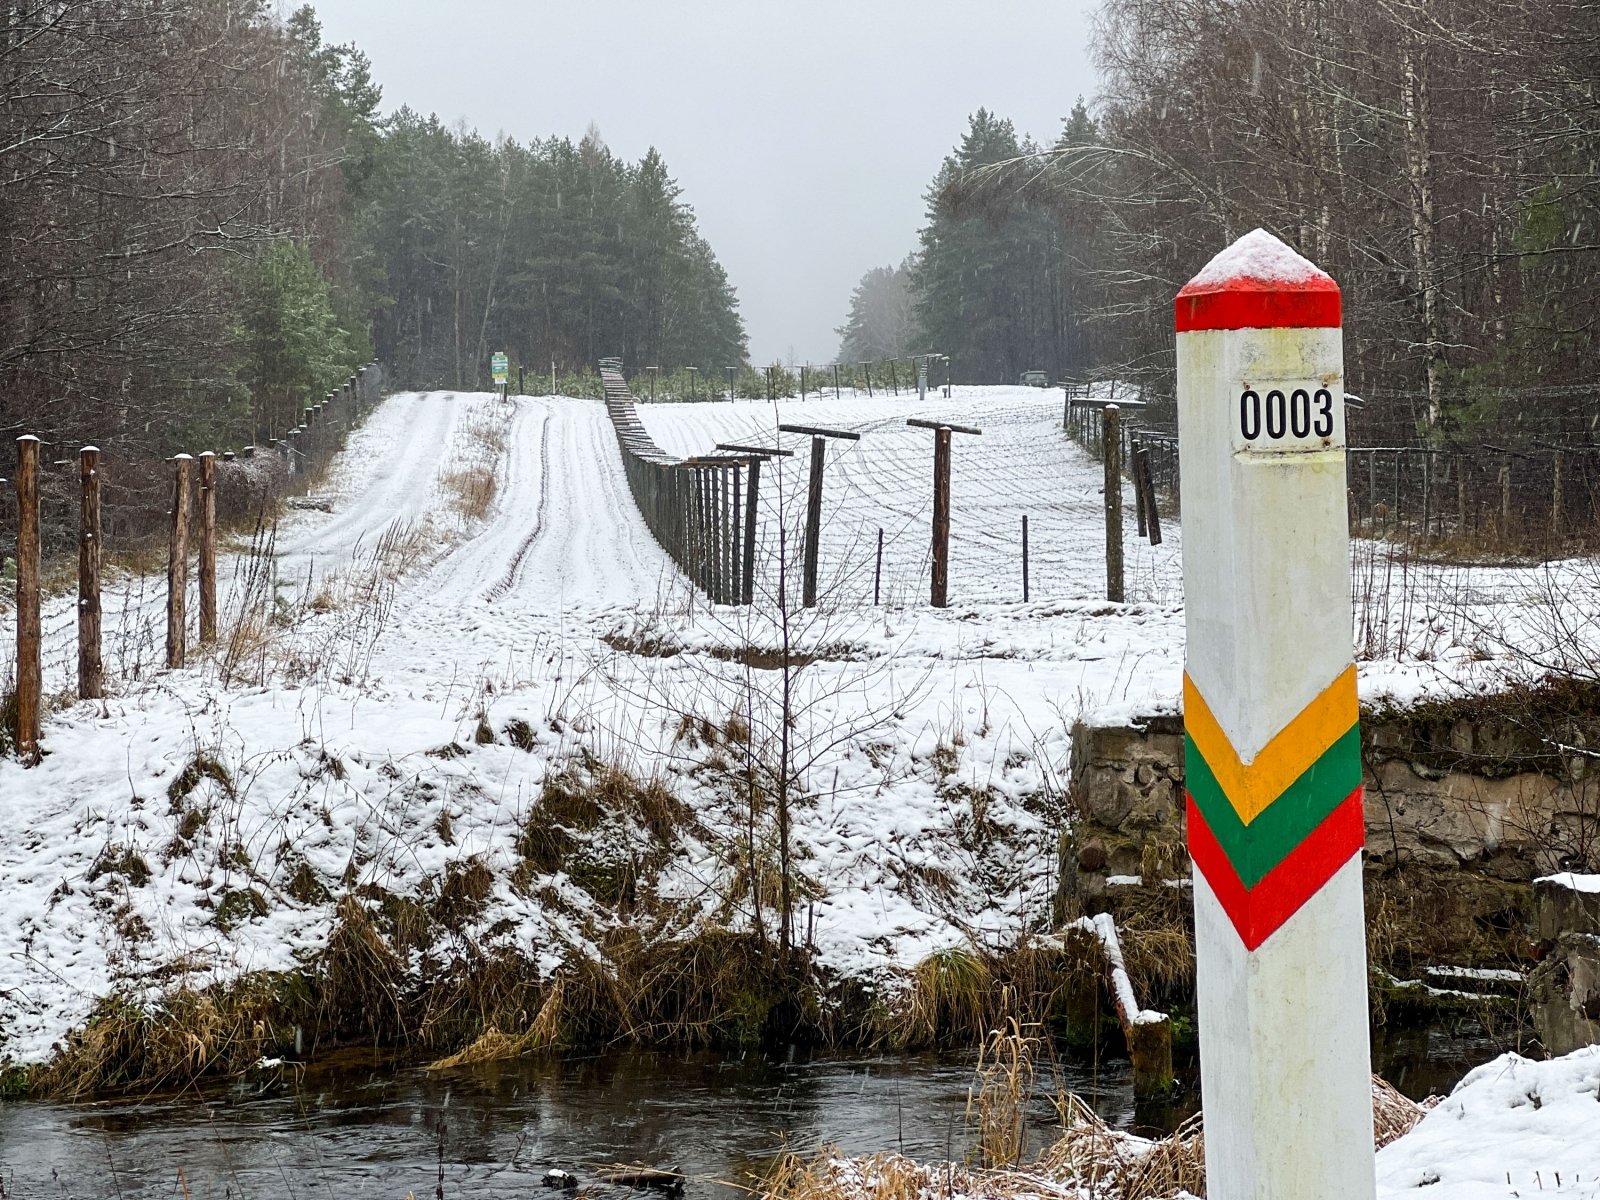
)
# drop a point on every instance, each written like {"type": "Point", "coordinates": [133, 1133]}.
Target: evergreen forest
{"type": "Point", "coordinates": [1440, 158]}
{"type": "Point", "coordinates": [210, 222]}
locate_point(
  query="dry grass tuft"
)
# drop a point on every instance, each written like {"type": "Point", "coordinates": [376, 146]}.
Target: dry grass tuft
{"type": "Point", "coordinates": [1394, 1115]}
{"type": "Point", "coordinates": [1089, 1159]}
{"type": "Point", "coordinates": [491, 1046]}
{"type": "Point", "coordinates": [959, 994]}
{"type": "Point", "coordinates": [950, 988]}
{"type": "Point", "coordinates": [470, 492]}
{"type": "Point", "coordinates": [1005, 1086]}
{"type": "Point", "coordinates": [1118, 1166]}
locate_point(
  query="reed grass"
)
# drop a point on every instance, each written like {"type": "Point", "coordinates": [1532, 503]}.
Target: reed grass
{"type": "Point", "coordinates": [1089, 1159]}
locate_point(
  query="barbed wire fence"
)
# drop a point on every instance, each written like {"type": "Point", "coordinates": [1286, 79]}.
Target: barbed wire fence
{"type": "Point", "coordinates": [99, 503]}
{"type": "Point", "coordinates": [692, 506]}
{"type": "Point", "coordinates": [1514, 472]}
{"type": "Point", "coordinates": [136, 494]}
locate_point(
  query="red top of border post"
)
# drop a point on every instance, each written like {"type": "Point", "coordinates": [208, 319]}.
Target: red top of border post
{"type": "Point", "coordinates": [1259, 283]}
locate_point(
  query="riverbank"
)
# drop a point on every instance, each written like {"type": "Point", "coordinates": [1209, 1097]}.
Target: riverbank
{"type": "Point", "coordinates": [473, 771]}
{"type": "Point", "coordinates": [1513, 1127]}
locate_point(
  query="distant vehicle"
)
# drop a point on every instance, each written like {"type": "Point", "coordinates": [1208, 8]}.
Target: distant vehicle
{"type": "Point", "coordinates": [1034, 379]}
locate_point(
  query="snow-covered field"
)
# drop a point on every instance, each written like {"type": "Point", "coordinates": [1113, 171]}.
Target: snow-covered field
{"type": "Point", "coordinates": [345, 751]}
{"type": "Point", "coordinates": [396, 649]}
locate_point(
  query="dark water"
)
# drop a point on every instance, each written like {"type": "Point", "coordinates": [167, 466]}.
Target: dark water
{"type": "Point", "coordinates": [350, 1129]}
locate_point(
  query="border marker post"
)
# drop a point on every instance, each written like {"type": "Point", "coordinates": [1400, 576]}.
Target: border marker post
{"type": "Point", "coordinates": [1272, 745]}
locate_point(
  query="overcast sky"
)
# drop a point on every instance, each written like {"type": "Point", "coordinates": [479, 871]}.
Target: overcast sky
{"type": "Point", "coordinates": [803, 133]}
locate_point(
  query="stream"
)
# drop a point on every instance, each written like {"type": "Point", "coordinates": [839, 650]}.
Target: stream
{"type": "Point", "coordinates": [350, 1127]}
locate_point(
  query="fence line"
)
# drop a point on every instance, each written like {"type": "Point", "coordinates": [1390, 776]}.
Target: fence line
{"type": "Point", "coordinates": [690, 505]}
{"type": "Point", "coordinates": [1538, 497]}
{"type": "Point", "coordinates": [246, 483]}
{"type": "Point", "coordinates": [137, 493]}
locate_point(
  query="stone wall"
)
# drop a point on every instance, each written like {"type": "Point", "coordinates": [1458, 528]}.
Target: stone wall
{"type": "Point", "coordinates": [1466, 804]}
{"type": "Point", "coordinates": [1479, 794]}
{"type": "Point", "coordinates": [1565, 986]}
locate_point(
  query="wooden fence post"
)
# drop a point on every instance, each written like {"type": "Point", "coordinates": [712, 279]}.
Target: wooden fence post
{"type": "Point", "coordinates": [1111, 454]}
{"type": "Point", "coordinates": [1555, 498]}
{"type": "Point", "coordinates": [719, 525]}
{"type": "Point", "coordinates": [1145, 481]}
{"type": "Point", "coordinates": [752, 497]}
{"type": "Point", "coordinates": [877, 568]}
{"type": "Point", "coordinates": [1024, 558]}
{"type": "Point", "coordinates": [208, 547]}
{"type": "Point", "coordinates": [813, 534]}
{"type": "Point", "coordinates": [755, 456]}
{"type": "Point", "coordinates": [178, 564]}
{"type": "Point", "coordinates": [939, 592]}
{"type": "Point", "coordinates": [736, 538]}
{"type": "Point", "coordinates": [813, 521]}
{"type": "Point", "coordinates": [91, 673]}
{"type": "Point", "coordinates": [30, 667]}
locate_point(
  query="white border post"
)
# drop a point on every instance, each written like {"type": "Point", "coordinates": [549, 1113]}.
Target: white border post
{"type": "Point", "coordinates": [1273, 767]}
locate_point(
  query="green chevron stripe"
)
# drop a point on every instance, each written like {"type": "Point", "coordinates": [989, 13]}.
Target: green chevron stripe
{"type": "Point", "coordinates": [1256, 848]}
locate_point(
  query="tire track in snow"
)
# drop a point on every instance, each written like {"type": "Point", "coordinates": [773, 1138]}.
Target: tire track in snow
{"type": "Point", "coordinates": [403, 444]}
{"type": "Point", "coordinates": [514, 570]}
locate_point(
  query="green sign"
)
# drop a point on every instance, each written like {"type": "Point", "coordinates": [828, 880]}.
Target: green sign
{"type": "Point", "coordinates": [501, 367]}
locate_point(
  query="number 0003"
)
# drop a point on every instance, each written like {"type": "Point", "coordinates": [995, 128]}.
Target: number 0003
{"type": "Point", "coordinates": [1299, 413]}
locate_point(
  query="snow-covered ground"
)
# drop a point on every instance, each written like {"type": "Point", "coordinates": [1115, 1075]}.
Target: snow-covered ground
{"type": "Point", "coordinates": [342, 751]}
{"type": "Point", "coordinates": [1513, 1127]}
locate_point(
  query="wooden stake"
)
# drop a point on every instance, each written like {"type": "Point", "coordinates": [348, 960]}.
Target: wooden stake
{"type": "Point", "coordinates": [813, 522]}
{"type": "Point", "coordinates": [1147, 482]}
{"type": "Point", "coordinates": [208, 547]}
{"type": "Point", "coordinates": [940, 591]}
{"type": "Point", "coordinates": [91, 674]}
{"type": "Point", "coordinates": [1273, 747]}
{"type": "Point", "coordinates": [1134, 469]}
{"type": "Point", "coordinates": [178, 564]}
{"type": "Point", "coordinates": [30, 667]}
{"type": "Point", "coordinates": [1555, 499]}
{"type": "Point", "coordinates": [735, 538]}
{"type": "Point", "coordinates": [1111, 452]}
{"type": "Point", "coordinates": [751, 497]}
{"type": "Point", "coordinates": [1024, 558]}
{"type": "Point", "coordinates": [877, 568]}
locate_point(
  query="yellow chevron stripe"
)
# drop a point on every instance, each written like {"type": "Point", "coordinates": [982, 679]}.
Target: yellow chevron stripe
{"type": "Point", "coordinates": [1251, 787]}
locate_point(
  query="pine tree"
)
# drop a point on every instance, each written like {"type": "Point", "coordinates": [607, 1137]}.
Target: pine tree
{"type": "Point", "coordinates": [879, 325]}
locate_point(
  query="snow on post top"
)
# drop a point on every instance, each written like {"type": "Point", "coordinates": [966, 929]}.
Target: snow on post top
{"type": "Point", "coordinates": [1258, 283]}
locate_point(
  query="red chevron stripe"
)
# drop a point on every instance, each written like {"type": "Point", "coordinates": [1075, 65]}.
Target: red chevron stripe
{"type": "Point", "coordinates": [1257, 913]}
